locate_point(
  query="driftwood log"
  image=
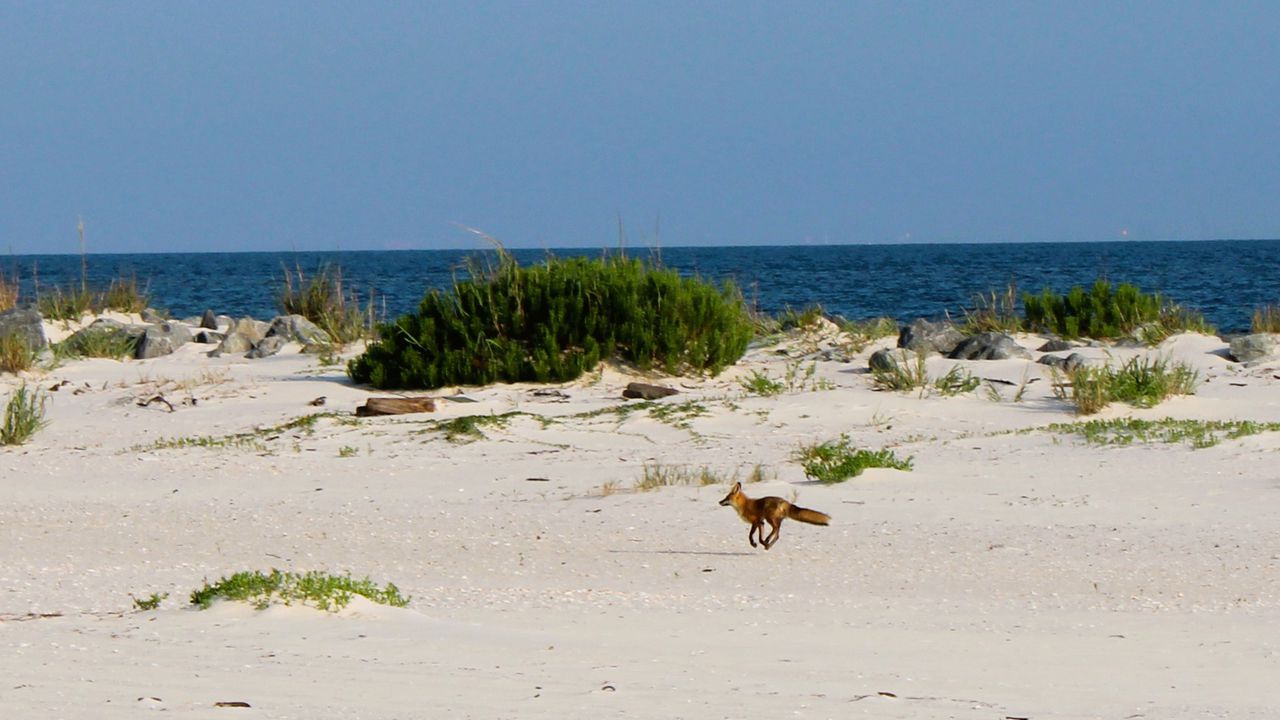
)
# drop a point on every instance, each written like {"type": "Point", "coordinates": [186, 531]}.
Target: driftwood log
{"type": "Point", "coordinates": [645, 391]}
{"type": "Point", "coordinates": [395, 406]}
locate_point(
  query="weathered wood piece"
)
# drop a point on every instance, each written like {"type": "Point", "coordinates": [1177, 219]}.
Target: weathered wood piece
{"type": "Point", "coordinates": [396, 406]}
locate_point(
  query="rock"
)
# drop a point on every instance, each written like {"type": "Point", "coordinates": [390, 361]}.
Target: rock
{"type": "Point", "coordinates": [1251, 348]}
{"type": "Point", "coordinates": [924, 336]}
{"type": "Point", "coordinates": [267, 347]}
{"type": "Point", "coordinates": [24, 323]}
{"type": "Point", "coordinates": [1055, 345]}
{"type": "Point", "coordinates": [208, 320]}
{"type": "Point", "coordinates": [989, 346]}
{"type": "Point", "coordinates": [296, 328]}
{"type": "Point", "coordinates": [161, 339]}
{"type": "Point", "coordinates": [645, 391]}
{"type": "Point", "coordinates": [234, 343]}
{"type": "Point", "coordinates": [255, 330]}
{"type": "Point", "coordinates": [210, 337]}
{"type": "Point", "coordinates": [1067, 364]}
{"type": "Point", "coordinates": [395, 406]}
{"type": "Point", "coordinates": [890, 360]}
{"type": "Point", "coordinates": [151, 316]}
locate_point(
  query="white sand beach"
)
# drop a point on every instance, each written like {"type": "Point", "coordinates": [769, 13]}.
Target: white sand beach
{"type": "Point", "coordinates": [1007, 575]}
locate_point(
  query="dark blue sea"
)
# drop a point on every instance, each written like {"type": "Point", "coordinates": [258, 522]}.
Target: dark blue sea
{"type": "Point", "coordinates": [1224, 279]}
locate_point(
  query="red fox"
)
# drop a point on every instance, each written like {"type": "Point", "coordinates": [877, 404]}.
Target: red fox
{"type": "Point", "coordinates": [769, 509]}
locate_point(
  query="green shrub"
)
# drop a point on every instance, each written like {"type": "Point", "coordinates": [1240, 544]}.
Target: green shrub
{"type": "Point", "coordinates": [16, 354]}
{"type": "Point", "coordinates": [837, 460]}
{"type": "Point", "coordinates": [1141, 382]}
{"type": "Point", "coordinates": [1266, 319]}
{"type": "Point", "coordinates": [1105, 312]}
{"type": "Point", "coordinates": [23, 416]}
{"type": "Point", "coordinates": [323, 300]}
{"type": "Point", "coordinates": [324, 591]}
{"type": "Point", "coordinates": [554, 321]}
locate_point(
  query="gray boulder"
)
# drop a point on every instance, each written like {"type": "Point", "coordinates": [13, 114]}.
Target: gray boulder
{"type": "Point", "coordinates": [234, 343]}
{"type": "Point", "coordinates": [924, 336]}
{"type": "Point", "coordinates": [162, 339]}
{"type": "Point", "coordinates": [23, 323]}
{"type": "Point", "coordinates": [269, 346]}
{"type": "Point", "coordinates": [1067, 364]}
{"type": "Point", "coordinates": [208, 320]}
{"type": "Point", "coordinates": [1055, 345]}
{"type": "Point", "coordinates": [989, 346]}
{"type": "Point", "coordinates": [890, 360]}
{"type": "Point", "coordinates": [255, 330]}
{"type": "Point", "coordinates": [151, 316]}
{"type": "Point", "coordinates": [296, 328]}
{"type": "Point", "coordinates": [1251, 348]}
{"type": "Point", "coordinates": [209, 337]}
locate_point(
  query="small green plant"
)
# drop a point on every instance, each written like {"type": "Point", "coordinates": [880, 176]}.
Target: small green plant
{"type": "Point", "coordinates": [347, 451]}
{"type": "Point", "coordinates": [23, 415]}
{"type": "Point", "coordinates": [323, 300]}
{"type": "Point", "coordinates": [837, 460]}
{"type": "Point", "coordinates": [957, 381]}
{"type": "Point", "coordinates": [150, 602]}
{"type": "Point", "coordinates": [322, 590]}
{"type": "Point", "coordinates": [903, 375]}
{"type": "Point", "coordinates": [678, 415]}
{"type": "Point", "coordinates": [759, 383]}
{"type": "Point", "coordinates": [1266, 319]}
{"type": "Point", "coordinates": [810, 317]}
{"type": "Point", "coordinates": [16, 353]}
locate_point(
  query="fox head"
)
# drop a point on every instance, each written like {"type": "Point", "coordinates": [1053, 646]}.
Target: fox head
{"type": "Point", "coordinates": [737, 490]}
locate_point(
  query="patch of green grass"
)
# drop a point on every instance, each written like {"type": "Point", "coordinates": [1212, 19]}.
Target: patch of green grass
{"type": "Point", "coordinates": [837, 460]}
{"type": "Point", "coordinates": [957, 381]}
{"type": "Point", "coordinates": [677, 415]}
{"type": "Point", "coordinates": [656, 475]}
{"type": "Point", "coordinates": [16, 354]}
{"type": "Point", "coordinates": [23, 415]}
{"type": "Point", "coordinates": [1141, 382]}
{"type": "Point", "coordinates": [1196, 433]}
{"type": "Point", "coordinates": [904, 376]}
{"type": "Point", "coordinates": [347, 451]}
{"type": "Point", "coordinates": [253, 440]}
{"type": "Point", "coordinates": [759, 383]}
{"type": "Point", "coordinates": [861, 333]}
{"type": "Point", "coordinates": [124, 295]}
{"type": "Point", "coordinates": [318, 589]}
{"type": "Point", "coordinates": [113, 343]}
{"type": "Point", "coordinates": [149, 603]}
{"type": "Point", "coordinates": [469, 428]}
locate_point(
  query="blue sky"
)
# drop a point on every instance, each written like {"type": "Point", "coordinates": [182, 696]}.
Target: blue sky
{"type": "Point", "coordinates": [231, 126]}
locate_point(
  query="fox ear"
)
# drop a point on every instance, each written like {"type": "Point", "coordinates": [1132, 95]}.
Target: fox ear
{"type": "Point", "coordinates": [737, 487]}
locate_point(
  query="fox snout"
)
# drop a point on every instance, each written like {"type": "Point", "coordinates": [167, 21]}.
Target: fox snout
{"type": "Point", "coordinates": [726, 500]}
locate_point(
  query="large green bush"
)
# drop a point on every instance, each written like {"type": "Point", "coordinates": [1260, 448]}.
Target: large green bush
{"type": "Point", "coordinates": [553, 321]}
{"type": "Point", "coordinates": [1106, 311]}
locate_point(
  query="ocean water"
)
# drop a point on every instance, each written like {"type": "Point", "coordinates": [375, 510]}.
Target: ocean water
{"type": "Point", "coordinates": [1224, 279]}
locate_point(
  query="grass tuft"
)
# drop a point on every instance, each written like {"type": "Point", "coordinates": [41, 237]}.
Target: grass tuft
{"type": "Point", "coordinates": [835, 461]}
{"type": "Point", "coordinates": [16, 354]}
{"type": "Point", "coordinates": [318, 589]}
{"type": "Point", "coordinates": [1196, 433]}
{"type": "Point", "coordinates": [1266, 319]}
{"type": "Point", "coordinates": [23, 415]}
{"type": "Point", "coordinates": [323, 300]}
{"type": "Point", "coordinates": [1141, 382]}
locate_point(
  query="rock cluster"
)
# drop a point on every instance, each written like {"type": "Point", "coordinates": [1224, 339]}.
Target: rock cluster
{"type": "Point", "coordinates": [157, 336]}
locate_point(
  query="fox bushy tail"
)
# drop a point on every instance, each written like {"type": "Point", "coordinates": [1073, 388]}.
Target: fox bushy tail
{"type": "Point", "coordinates": [805, 515]}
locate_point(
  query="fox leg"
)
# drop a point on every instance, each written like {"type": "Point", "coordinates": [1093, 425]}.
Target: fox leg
{"type": "Point", "coordinates": [776, 529]}
{"type": "Point", "coordinates": [756, 527]}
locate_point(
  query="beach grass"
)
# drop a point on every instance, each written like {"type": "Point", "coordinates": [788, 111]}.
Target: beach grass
{"type": "Point", "coordinates": [323, 299]}
{"type": "Point", "coordinates": [16, 353]}
{"type": "Point", "coordinates": [1196, 433]}
{"type": "Point", "coordinates": [113, 343]}
{"type": "Point", "coordinates": [318, 589]}
{"type": "Point", "coordinates": [1266, 319]}
{"type": "Point", "coordinates": [24, 415]}
{"type": "Point", "coordinates": [1140, 382]}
